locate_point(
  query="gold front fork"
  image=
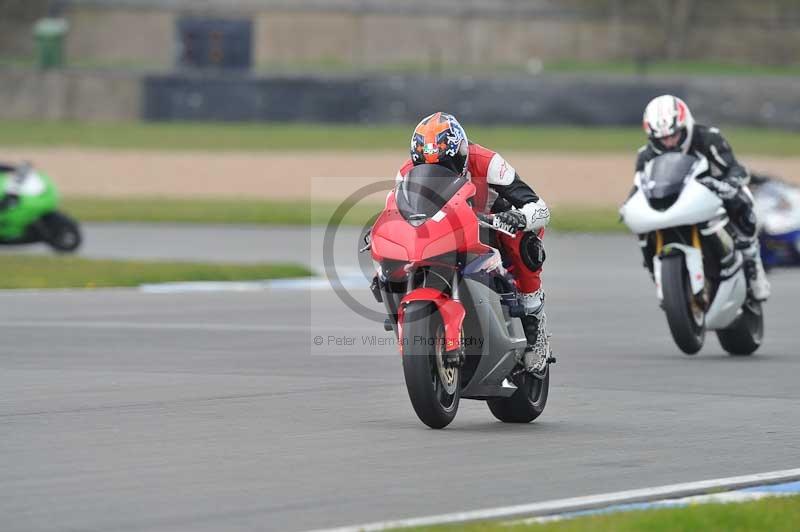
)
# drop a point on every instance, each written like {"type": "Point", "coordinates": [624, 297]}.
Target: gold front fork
{"type": "Point", "coordinates": [696, 238]}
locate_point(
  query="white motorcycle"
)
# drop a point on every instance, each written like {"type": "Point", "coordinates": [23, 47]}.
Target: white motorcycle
{"type": "Point", "coordinates": [684, 231]}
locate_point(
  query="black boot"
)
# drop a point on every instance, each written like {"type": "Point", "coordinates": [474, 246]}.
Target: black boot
{"type": "Point", "coordinates": [530, 324]}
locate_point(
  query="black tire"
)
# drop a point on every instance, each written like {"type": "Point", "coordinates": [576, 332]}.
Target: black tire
{"type": "Point", "coordinates": [434, 401]}
{"type": "Point", "coordinates": [61, 232]}
{"type": "Point", "coordinates": [528, 401]}
{"type": "Point", "coordinates": [744, 336]}
{"type": "Point", "coordinates": [687, 323]}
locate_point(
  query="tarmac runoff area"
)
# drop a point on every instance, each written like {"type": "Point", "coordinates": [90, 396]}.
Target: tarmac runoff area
{"type": "Point", "coordinates": [129, 410]}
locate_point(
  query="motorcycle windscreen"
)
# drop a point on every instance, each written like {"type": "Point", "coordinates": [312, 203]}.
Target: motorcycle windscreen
{"type": "Point", "coordinates": [667, 175]}
{"type": "Point", "coordinates": [426, 189]}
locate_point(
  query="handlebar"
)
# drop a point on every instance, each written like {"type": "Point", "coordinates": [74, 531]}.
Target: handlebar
{"type": "Point", "coordinates": [487, 221]}
{"type": "Point", "coordinates": [367, 239]}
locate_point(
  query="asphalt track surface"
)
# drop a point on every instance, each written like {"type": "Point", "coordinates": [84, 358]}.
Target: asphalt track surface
{"type": "Point", "coordinates": [190, 242]}
{"type": "Point", "coordinates": [121, 410]}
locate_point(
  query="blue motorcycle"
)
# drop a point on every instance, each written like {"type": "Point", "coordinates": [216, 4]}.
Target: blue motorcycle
{"type": "Point", "coordinates": [778, 208]}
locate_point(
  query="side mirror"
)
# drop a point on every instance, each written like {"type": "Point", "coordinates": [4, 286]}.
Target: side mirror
{"type": "Point", "coordinates": [367, 239]}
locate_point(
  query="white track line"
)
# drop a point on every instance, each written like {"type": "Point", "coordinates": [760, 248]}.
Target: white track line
{"type": "Point", "coordinates": [577, 504]}
{"type": "Point", "coordinates": [349, 282]}
{"type": "Point", "coordinates": [726, 497]}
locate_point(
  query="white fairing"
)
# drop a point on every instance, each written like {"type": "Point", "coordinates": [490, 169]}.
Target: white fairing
{"type": "Point", "coordinates": [694, 265]}
{"type": "Point", "coordinates": [730, 296]}
{"type": "Point", "coordinates": [30, 185]}
{"type": "Point", "coordinates": [657, 278]}
{"type": "Point", "coordinates": [726, 306]}
{"type": "Point", "coordinates": [33, 185]}
{"type": "Point", "coordinates": [695, 205]}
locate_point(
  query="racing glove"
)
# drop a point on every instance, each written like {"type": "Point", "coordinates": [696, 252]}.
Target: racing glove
{"type": "Point", "coordinates": [725, 190]}
{"type": "Point", "coordinates": [510, 221]}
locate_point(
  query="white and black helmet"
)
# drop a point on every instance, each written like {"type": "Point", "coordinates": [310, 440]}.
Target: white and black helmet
{"type": "Point", "coordinates": [665, 116]}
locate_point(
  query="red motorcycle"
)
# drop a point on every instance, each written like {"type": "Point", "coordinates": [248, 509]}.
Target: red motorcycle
{"type": "Point", "coordinates": [452, 304]}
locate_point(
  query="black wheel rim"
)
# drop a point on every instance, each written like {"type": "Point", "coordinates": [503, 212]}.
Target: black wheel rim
{"type": "Point", "coordinates": [755, 321]}
{"type": "Point", "coordinates": [537, 387]}
{"type": "Point", "coordinates": [67, 238]}
{"type": "Point", "coordinates": [695, 310]}
{"type": "Point", "coordinates": [534, 385]}
{"type": "Point", "coordinates": [443, 378]}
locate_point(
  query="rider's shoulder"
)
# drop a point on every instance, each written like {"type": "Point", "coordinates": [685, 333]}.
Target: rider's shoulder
{"type": "Point", "coordinates": [707, 134]}
{"type": "Point", "coordinates": [700, 131]}
{"type": "Point", "coordinates": [704, 137]}
{"type": "Point", "coordinates": [490, 164]}
{"type": "Point", "coordinates": [476, 151]}
{"type": "Point", "coordinates": [405, 169]}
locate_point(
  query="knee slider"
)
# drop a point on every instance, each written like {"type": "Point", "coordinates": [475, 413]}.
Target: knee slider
{"type": "Point", "coordinates": [532, 251]}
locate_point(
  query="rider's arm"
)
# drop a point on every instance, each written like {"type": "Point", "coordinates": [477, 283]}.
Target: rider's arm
{"type": "Point", "coordinates": [504, 180]}
{"type": "Point", "coordinates": [403, 171]}
{"type": "Point", "coordinates": [15, 181]}
{"type": "Point", "coordinates": [644, 154]}
{"type": "Point", "coordinates": [721, 154]}
{"type": "Point", "coordinates": [11, 193]}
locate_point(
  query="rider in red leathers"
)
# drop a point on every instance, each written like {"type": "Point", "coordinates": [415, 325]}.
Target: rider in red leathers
{"type": "Point", "coordinates": [511, 204]}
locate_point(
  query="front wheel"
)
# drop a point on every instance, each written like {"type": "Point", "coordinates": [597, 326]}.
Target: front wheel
{"type": "Point", "coordinates": [434, 387]}
{"type": "Point", "coordinates": [745, 334]}
{"type": "Point", "coordinates": [61, 232]}
{"type": "Point", "coordinates": [686, 319]}
{"type": "Point", "coordinates": [528, 401]}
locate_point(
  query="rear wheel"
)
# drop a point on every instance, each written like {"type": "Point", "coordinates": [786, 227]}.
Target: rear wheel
{"type": "Point", "coordinates": [61, 232]}
{"type": "Point", "coordinates": [686, 318]}
{"type": "Point", "coordinates": [434, 387]}
{"type": "Point", "coordinates": [528, 401]}
{"type": "Point", "coordinates": [745, 334]}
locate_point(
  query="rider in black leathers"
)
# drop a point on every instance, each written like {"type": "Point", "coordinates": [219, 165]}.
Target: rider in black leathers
{"type": "Point", "coordinates": [11, 192]}
{"type": "Point", "coordinates": [670, 127]}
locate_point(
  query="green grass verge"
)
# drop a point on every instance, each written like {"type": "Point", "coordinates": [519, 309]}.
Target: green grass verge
{"type": "Point", "coordinates": [655, 67]}
{"type": "Point", "coordinates": [33, 271]}
{"type": "Point", "coordinates": [212, 211]}
{"type": "Point", "coordinates": [566, 218]}
{"type": "Point", "coordinates": [574, 219]}
{"type": "Point", "coordinates": [776, 514]}
{"type": "Point", "coordinates": [335, 65]}
{"type": "Point", "coordinates": [677, 68]}
{"type": "Point", "coordinates": [216, 137]}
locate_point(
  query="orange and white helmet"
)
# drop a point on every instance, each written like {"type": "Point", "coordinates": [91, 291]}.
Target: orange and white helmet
{"type": "Point", "coordinates": [440, 139]}
{"type": "Point", "coordinates": [666, 116]}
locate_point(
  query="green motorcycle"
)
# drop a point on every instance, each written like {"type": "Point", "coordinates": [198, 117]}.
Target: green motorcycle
{"type": "Point", "coordinates": [29, 211]}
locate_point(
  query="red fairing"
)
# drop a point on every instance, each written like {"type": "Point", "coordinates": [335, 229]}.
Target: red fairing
{"type": "Point", "coordinates": [452, 313]}
{"type": "Point", "coordinates": [394, 238]}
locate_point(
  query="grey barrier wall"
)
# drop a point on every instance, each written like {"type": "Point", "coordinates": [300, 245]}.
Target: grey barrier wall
{"type": "Point", "coordinates": [75, 94]}
{"type": "Point", "coordinates": [80, 95]}
{"type": "Point", "coordinates": [543, 99]}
